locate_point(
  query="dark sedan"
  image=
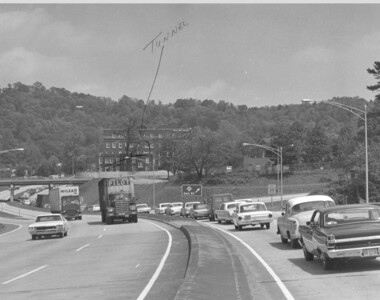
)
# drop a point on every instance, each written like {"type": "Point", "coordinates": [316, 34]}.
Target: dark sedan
{"type": "Point", "coordinates": [341, 233]}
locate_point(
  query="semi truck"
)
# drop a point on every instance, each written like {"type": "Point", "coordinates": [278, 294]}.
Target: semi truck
{"type": "Point", "coordinates": [65, 200]}
{"type": "Point", "coordinates": [117, 200]}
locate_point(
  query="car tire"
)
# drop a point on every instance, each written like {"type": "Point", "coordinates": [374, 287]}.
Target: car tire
{"type": "Point", "coordinates": [327, 262]}
{"type": "Point", "coordinates": [236, 227]}
{"type": "Point", "coordinates": [65, 234]}
{"type": "Point", "coordinates": [294, 243]}
{"type": "Point", "coordinates": [240, 228]}
{"type": "Point", "coordinates": [308, 256]}
{"type": "Point", "coordinates": [267, 225]}
{"type": "Point", "coordinates": [34, 237]}
{"type": "Point", "coordinates": [61, 235]}
{"type": "Point", "coordinates": [219, 221]}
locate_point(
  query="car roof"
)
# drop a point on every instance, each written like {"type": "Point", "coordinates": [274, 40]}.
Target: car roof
{"type": "Point", "coordinates": [48, 215]}
{"type": "Point", "coordinates": [347, 206]}
{"type": "Point", "coordinates": [310, 198]}
{"type": "Point", "coordinates": [250, 203]}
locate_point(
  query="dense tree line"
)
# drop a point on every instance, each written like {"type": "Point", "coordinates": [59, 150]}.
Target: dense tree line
{"type": "Point", "coordinates": [61, 130]}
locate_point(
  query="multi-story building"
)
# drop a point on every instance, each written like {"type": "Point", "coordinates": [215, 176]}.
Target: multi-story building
{"type": "Point", "coordinates": [138, 149]}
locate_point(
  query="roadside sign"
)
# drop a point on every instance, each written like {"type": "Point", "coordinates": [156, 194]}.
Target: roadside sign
{"type": "Point", "coordinates": [271, 189]}
{"type": "Point", "coordinates": [191, 190]}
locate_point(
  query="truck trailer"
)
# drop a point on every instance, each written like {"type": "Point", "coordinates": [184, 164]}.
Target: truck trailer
{"type": "Point", "coordinates": [117, 200]}
{"type": "Point", "coordinates": [65, 200]}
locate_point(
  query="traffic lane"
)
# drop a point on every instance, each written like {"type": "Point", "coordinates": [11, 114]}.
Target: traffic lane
{"type": "Point", "coordinates": [117, 264]}
{"type": "Point", "coordinates": [308, 280]}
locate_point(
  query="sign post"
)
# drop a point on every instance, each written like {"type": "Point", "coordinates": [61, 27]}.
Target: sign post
{"type": "Point", "coordinates": [271, 191]}
{"type": "Point", "coordinates": [191, 191]}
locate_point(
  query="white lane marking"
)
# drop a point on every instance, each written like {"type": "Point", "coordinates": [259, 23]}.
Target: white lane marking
{"type": "Point", "coordinates": [19, 227]}
{"type": "Point", "coordinates": [146, 290]}
{"type": "Point", "coordinates": [100, 236]}
{"type": "Point", "coordinates": [79, 249]}
{"type": "Point", "coordinates": [281, 285]}
{"type": "Point", "coordinates": [26, 274]}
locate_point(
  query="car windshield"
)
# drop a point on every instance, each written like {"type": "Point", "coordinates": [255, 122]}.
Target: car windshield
{"type": "Point", "coordinates": [48, 218]}
{"type": "Point", "coordinates": [252, 207]}
{"type": "Point", "coordinates": [70, 200]}
{"type": "Point", "coordinates": [142, 205]}
{"type": "Point", "coordinates": [164, 205]}
{"type": "Point", "coordinates": [233, 205]}
{"type": "Point", "coordinates": [352, 215]}
{"type": "Point", "coordinates": [312, 205]}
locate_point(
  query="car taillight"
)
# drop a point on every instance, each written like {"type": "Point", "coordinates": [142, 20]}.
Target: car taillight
{"type": "Point", "coordinates": [330, 242]}
{"type": "Point", "coordinates": [59, 227]}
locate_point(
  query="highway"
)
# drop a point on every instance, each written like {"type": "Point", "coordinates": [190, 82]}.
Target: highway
{"type": "Point", "coordinates": [301, 280]}
{"type": "Point", "coordinates": [144, 260]}
{"type": "Point", "coordinates": [120, 261]}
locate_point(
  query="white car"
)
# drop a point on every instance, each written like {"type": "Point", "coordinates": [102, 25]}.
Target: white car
{"type": "Point", "coordinates": [95, 207]}
{"type": "Point", "coordinates": [49, 225]}
{"type": "Point", "coordinates": [252, 213]}
{"type": "Point", "coordinates": [297, 212]}
{"type": "Point", "coordinates": [160, 210]}
{"type": "Point", "coordinates": [185, 211]}
{"type": "Point", "coordinates": [143, 208]}
{"type": "Point", "coordinates": [174, 208]}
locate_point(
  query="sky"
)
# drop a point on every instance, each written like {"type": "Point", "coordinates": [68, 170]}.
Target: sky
{"type": "Point", "coordinates": [252, 54]}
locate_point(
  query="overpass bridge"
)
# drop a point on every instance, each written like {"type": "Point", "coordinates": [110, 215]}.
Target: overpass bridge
{"type": "Point", "coordinates": [11, 182]}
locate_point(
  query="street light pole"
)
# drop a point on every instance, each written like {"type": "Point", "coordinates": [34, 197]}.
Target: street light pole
{"type": "Point", "coordinates": [154, 176]}
{"type": "Point", "coordinates": [278, 152]}
{"type": "Point", "coordinates": [357, 112]}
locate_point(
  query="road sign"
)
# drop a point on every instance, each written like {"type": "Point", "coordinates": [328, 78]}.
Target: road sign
{"type": "Point", "coordinates": [191, 190]}
{"type": "Point", "coordinates": [271, 189]}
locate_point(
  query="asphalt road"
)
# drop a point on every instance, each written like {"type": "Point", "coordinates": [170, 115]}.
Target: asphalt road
{"type": "Point", "coordinates": [144, 260]}
{"type": "Point", "coordinates": [270, 260]}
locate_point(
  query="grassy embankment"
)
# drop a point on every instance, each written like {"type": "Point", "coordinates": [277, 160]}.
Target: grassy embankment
{"type": "Point", "coordinates": [241, 187]}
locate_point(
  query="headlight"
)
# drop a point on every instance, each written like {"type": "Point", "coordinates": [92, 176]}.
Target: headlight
{"type": "Point", "coordinates": [59, 227]}
{"type": "Point", "coordinates": [110, 209]}
{"type": "Point", "coordinates": [31, 229]}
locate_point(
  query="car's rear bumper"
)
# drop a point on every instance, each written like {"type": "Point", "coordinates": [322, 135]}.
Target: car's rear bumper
{"type": "Point", "coordinates": [361, 252]}
{"type": "Point", "coordinates": [252, 222]}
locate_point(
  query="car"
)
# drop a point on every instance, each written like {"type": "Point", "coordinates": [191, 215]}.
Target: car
{"type": "Point", "coordinates": [49, 225]}
{"type": "Point", "coordinates": [225, 211]}
{"type": "Point", "coordinates": [343, 232]}
{"type": "Point", "coordinates": [143, 208]}
{"type": "Point", "coordinates": [252, 213]}
{"type": "Point", "coordinates": [160, 210]}
{"type": "Point", "coordinates": [185, 210]}
{"type": "Point", "coordinates": [297, 212]}
{"type": "Point", "coordinates": [174, 208]}
{"type": "Point", "coordinates": [199, 211]}
{"type": "Point", "coordinates": [95, 207]}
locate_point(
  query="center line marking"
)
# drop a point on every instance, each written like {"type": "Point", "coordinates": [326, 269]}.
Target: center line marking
{"type": "Point", "coordinates": [79, 249]}
{"type": "Point", "coordinates": [26, 274]}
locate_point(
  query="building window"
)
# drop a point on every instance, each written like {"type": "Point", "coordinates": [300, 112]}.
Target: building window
{"type": "Point", "coordinates": [120, 145]}
{"type": "Point", "coordinates": [114, 145]}
{"type": "Point", "coordinates": [107, 144]}
{"type": "Point", "coordinates": [140, 164]}
{"type": "Point", "coordinates": [111, 160]}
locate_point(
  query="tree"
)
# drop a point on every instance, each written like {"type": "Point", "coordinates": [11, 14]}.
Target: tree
{"type": "Point", "coordinates": [203, 152]}
{"type": "Point", "coordinates": [375, 71]}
